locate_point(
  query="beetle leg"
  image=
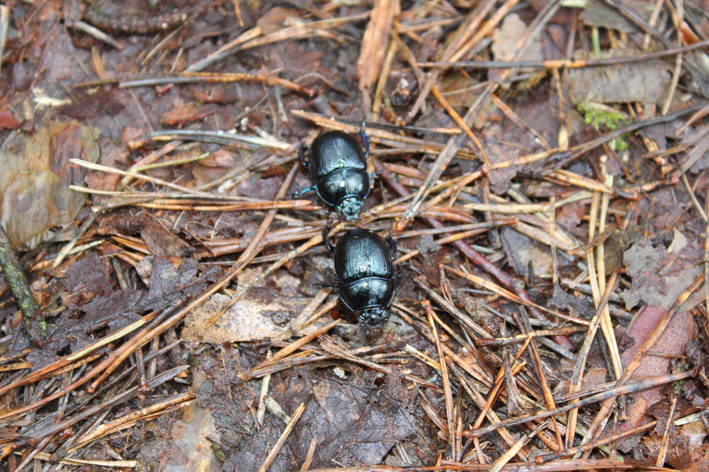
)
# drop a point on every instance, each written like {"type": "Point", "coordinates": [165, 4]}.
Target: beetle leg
{"type": "Point", "coordinates": [366, 140]}
{"type": "Point", "coordinates": [392, 244]}
{"type": "Point", "coordinates": [301, 192]}
{"type": "Point", "coordinates": [326, 239]}
{"type": "Point", "coordinates": [301, 155]}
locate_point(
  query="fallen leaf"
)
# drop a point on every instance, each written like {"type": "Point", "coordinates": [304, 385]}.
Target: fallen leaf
{"type": "Point", "coordinates": [7, 120]}
{"type": "Point", "coordinates": [645, 81]}
{"type": "Point", "coordinates": [35, 181]}
{"type": "Point", "coordinates": [601, 15]}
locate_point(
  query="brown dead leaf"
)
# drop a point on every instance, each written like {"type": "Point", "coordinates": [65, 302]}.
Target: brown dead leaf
{"type": "Point", "coordinates": [7, 120]}
{"type": "Point", "coordinates": [599, 14]}
{"type": "Point", "coordinates": [700, 465]}
{"type": "Point", "coordinates": [215, 94]}
{"type": "Point", "coordinates": [220, 158]}
{"type": "Point", "coordinates": [645, 81]}
{"type": "Point", "coordinates": [190, 438]}
{"type": "Point", "coordinates": [183, 114]}
{"type": "Point", "coordinates": [162, 242]}
{"type": "Point", "coordinates": [505, 40]}
{"type": "Point", "coordinates": [274, 18]}
{"type": "Point", "coordinates": [35, 181]}
{"type": "Point", "coordinates": [375, 42]}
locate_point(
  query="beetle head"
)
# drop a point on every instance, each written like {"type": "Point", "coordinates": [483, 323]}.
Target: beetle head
{"type": "Point", "coordinates": [374, 317]}
{"type": "Point", "coordinates": [350, 208]}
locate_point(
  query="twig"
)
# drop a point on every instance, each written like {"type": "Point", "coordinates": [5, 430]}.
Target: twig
{"type": "Point", "coordinates": [570, 64]}
{"type": "Point", "coordinates": [666, 434]}
{"type": "Point", "coordinates": [4, 26]}
{"type": "Point", "coordinates": [14, 277]}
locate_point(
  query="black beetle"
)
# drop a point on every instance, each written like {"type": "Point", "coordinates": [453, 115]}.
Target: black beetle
{"type": "Point", "coordinates": [339, 168]}
{"type": "Point", "coordinates": [364, 264]}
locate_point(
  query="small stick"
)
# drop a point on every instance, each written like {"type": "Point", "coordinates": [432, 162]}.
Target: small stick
{"type": "Point", "coordinates": [679, 20]}
{"type": "Point", "coordinates": [331, 347]}
{"type": "Point", "coordinates": [487, 285]}
{"type": "Point", "coordinates": [287, 350]}
{"type": "Point", "coordinates": [261, 410]}
{"type": "Point", "coordinates": [210, 78]}
{"type": "Point", "coordinates": [523, 337]}
{"type": "Point", "coordinates": [666, 434]}
{"type": "Point", "coordinates": [508, 208]}
{"type": "Point", "coordinates": [299, 322]}
{"type": "Point", "coordinates": [594, 444]}
{"type": "Point", "coordinates": [494, 235]}
{"type": "Point", "coordinates": [569, 63]}
{"type": "Point", "coordinates": [460, 122]}
{"type": "Point", "coordinates": [150, 158]}
{"type": "Point", "coordinates": [14, 277]}
{"type": "Point", "coordinates": [525, 327]}
{"type": "Point", "coordinates": [95, 33]}
{"type": "Point", "coordinates": [518, 121]}
{"type": "Point", "coordinates": [515, 449]}
{"type": "Point", "coordinates": [66, 249]}
{"type": "Point", "coordinates": [294, 32]}
{"type": "Point", "coordinates": [105, 428]}
{"type": "Point", "coordinates": [464, 32]}
{"type": "Point", "coordinates": [379, 91]}
{"type": "Point", "coordinates": [458, 237]}
{"type": "Point", "coordinates": [141, 369]}
{"type": "Point", "coordinates": [577, 376]}
{"type": "Point", "coordinates": [552, 237]}
{"type": "Point", "coordinates": [4, 26]}
{"type": "Point", "coordinates": [583, 182]}
{"type": "Point", "coordinates": [111, 170]}
{"type": "Point", "coordinates": [237, 13]}
{"type": "Point", "coordinates": [309, 456]}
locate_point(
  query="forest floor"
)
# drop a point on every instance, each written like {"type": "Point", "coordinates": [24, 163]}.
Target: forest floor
{"type": "Point", "coordinates": [167, 304]}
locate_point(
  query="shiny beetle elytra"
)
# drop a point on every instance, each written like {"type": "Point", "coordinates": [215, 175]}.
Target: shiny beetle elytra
{"type": "Point", "coordinates": [339, 168]}
{"type": "Point", "coordinates": [364, 264]}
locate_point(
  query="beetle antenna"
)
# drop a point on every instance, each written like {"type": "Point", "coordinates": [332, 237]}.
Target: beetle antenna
{"type": "Point", "coordinates": [363, 132]}
{"type": "Point", "coordinates": [326, 239]}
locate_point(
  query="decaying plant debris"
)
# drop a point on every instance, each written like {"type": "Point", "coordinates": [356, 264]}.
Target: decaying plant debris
{"type": "Point", "coordinates": [543, 167]}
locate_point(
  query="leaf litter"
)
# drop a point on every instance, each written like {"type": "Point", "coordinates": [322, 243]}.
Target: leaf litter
{"type": "Point", "coordinates": [184, 317]}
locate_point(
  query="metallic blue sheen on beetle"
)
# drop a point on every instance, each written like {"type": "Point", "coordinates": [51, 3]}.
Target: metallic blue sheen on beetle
{"type": "Point", "coordinates": [364, 264]}
{"type": "Point", "coordinates": [339, 167]}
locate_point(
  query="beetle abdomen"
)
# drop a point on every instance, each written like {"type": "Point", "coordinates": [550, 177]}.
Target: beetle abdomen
{"type": "Point", "coordinates": [344, 183]}
{"type": "Point", "coordinates": [335, 150]}
{"type": "Point", "coordinates": [368, 292]}
{"type": "Point", "coordinates": [362, 253]}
